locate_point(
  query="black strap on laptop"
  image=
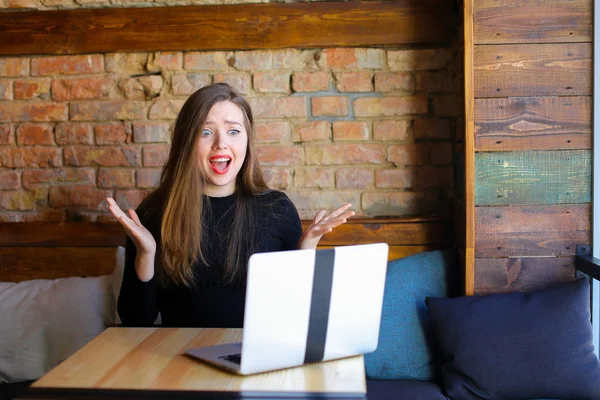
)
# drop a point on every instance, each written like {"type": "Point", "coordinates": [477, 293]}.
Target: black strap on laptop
{"type": "Point", "coordinates": [319, 306]}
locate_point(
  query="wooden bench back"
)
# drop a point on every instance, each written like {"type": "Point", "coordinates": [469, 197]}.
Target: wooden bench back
{"type": "Point", "coordinates": [51, 250]}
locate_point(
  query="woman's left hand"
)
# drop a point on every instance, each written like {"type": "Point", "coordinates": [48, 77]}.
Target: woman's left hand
{"type": "Point", "coordinates": [324, 223]}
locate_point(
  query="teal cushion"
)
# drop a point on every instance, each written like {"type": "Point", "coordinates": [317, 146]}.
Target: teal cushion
{"type": "Point", "coordinates": [406, 346]}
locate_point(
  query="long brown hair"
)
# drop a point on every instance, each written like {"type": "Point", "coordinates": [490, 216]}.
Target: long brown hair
{"type": "Point", "coordinates": [181, 191]}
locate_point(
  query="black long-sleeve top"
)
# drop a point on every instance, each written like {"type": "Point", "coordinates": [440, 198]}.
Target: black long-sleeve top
{"type": "Point", "coordinates": [211, 302]}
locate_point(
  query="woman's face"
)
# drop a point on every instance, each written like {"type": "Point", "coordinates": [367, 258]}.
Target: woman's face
{"type": "Point", "coordinates": [222, 148]}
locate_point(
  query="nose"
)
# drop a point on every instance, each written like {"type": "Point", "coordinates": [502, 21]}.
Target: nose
{"type": "Point", "coordinates": [220, 141]}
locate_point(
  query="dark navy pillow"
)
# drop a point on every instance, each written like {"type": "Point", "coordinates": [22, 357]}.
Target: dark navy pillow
{"type": "Point", "coordinates": [518, 345]}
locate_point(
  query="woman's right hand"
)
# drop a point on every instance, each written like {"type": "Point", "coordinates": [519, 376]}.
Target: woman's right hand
{"type": "Point", "coordinates": [142, 238]}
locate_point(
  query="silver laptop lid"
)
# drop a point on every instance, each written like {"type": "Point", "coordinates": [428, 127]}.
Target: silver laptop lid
{"type": "Point", "coordinates": [312, 305]}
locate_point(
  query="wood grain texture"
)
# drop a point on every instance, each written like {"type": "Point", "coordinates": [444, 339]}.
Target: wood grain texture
{"type": "Point", "coordinates": [533, 177]}
{"type": "Point", "coordinates": [142, 358]}
{"type": "Point", "coordinates": [20, 263]}
{"type": "Point", "coordinates": [533, 123]}
{"type": "Point", "coordinates": [502, 275]}
{"type": "Point", "coordinates": [528, 231]}
{"type": "Point", "coordinates": [533, 70]}
{"type": "Point", "coordinates": [227, 27]}
{"type": "Point", "coordinates": [533, 21]}
{"type": "Point", "coordinates": [469, 148]}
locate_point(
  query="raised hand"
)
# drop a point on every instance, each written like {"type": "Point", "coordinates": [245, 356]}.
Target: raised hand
{"type": "Point", "coordinates": [324, 223]}
{"type": "Point", "coordinates": [141, 237]}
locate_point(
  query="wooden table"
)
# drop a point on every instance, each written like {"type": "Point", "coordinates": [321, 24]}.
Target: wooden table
{"type": "Point", "coordinates": [149, 362]}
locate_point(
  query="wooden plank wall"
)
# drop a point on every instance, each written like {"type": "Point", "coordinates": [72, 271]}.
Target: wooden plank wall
{"type": "Point", "coordinates": [48, 250]}
{"type": "Point", "coordinates": [532, 78]}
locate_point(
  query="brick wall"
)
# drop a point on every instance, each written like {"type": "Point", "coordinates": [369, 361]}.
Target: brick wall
{"type": "Point", "coordinates": [371, 126]}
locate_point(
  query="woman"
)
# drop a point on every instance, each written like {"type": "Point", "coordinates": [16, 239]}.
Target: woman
{"type": "Point", "coordinates": [190, 239]}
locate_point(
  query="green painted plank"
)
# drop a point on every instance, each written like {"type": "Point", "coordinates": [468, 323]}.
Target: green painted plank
{"type": "Point", "coordinates": [533, 177]}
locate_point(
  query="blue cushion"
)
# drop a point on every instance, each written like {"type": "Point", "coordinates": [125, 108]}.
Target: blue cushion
{"type": "Point", "coordinates": [518, 345]}
{"type": "Point", "coordinates": [404, 350]}
{"type": "Point", "coordinates": [403, 390]}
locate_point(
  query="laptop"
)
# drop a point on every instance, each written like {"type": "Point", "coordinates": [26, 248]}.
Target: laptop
{"type": "Point", "coordinates": [305, 306]}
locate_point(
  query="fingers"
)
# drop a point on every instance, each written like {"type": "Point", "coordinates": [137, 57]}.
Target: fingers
{"type": "Point", "coordinates": [319, 216]}
{"type": "Point", "coordinates": [133, 215]}
{"type": "Point", "coordinates": [338, 211]}
{"type": "Point", "coordinates": [114, 208]}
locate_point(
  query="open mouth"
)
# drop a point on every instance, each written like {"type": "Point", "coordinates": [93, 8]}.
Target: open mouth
{"type": "Point", "coordinates": [220, 164]}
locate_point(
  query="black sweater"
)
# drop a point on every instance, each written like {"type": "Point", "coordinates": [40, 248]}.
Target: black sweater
{"type": "Point", "coordinates": [212, 302]}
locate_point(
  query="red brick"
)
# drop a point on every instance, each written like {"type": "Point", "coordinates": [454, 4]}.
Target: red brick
{"type": "Point", "coordinates": [146, 132]}
{"type": "Point", "coordinates": [9, 180]}
{"type": "Point", "coordinates": [34, 134]}
{"type": "Point", "coordinates": [330, 106]}
{"type": "Point", "coordinates": [6, 134]}
{"type": "Point", "coordinates": [147, 177]}
{"type": "Point", "coordinates": [22, 200]}
{"type": "Point", "coordinates": [277, 178]}
{"type": "Point", "coordinates": [155, 155]}
{"type": "Point", "coordinates": [255, 60]}
{"type": "Point", "coordinates": [310, 81]}
{"type": "Point", "coordinates": [312, 131]}
{"type": "Point", "coordinates": [102, 156]}
{"type": "Point", "coordinates": [361, 81]}
{"type": "Point", "coordinates": [73, 133]}
{"type": "Point", "coordinates": [441, 154]}
{"type": "Point", "coordinates": [350, 130]}
{"type": "Point", "coordinates": [52, 216]}
{"type": "Point", "coordinates": [207, 61]}
{"type": "Point", "coordinates": [53, 176]}
{"type": "Point", "coordinates": [350, 58]}
{"type": "Point", "coordinates": [21, 4]}
{"type": "Point", "coordinates": [296, 60]}
{"type": "Point", "coordinates": [353, 178]}
{"type": "Point", "coordinates": [435, 82]}
{"type": "Point", "coordinates": [326, 199]}
{"type": "Point", "coordinates": [165, 109]}
{"type": "Point", "coordinates": [130, 198]}
{"type": "Point", "coordinates": [14, 66]}
{"type": "Point", "coordinates": [169, 61]}
{"type": "Point", "coordinates": [188, 83]}
{"type": "Point", "coordinates": [271, 82]}
{"type": "Point", "coordinates": [340, 154]}
{"type": "Point", "coordinates": [86, 196]}
{"type": "Point", "coordinates": [126, 63]}
{"type": "Point", "coordinates": [6, 92]}
{"type": "Point", "coordinates": [107, 110]}
{"type": "Point", "coordinates": [271, 132]}
{"type": "Point", "coordinates": [132, 89]}
{"type": "Point", "coordinates": [112, 134]}
{"type": "Point", "coordinates": [32, 89]}
{"type": "Point", "coordinates": [392, 130]}
{"type": "Point", "coordinates": [80, 89]}
{"type": "Point", "coordinates": [116, 178]}
{"type": "Point", "coordinates": [394, 81]}
{"type": "Point", "coordinates": [339, 58]}
{"type": "Point", "coordinates": [279, 155]}
{"type": "Point", "coordinates": [152, 85]}
{"type": "Point", "coordinates": [408, 154]}
{"type": "Point", "coordinates": [314, 177]}
{"type": "Point", "coordinates": [41, 112]}
{"type": "Point", "coordinates": [67, 65]}
{"type": "Point", "coordinates": [390, 106]}
{"type": "Point", "coordinates": [413, 60]}
{"type": "Point", "coordinates": [435, 177]}
{"type": "Point", "coordinates": [282, 107]}
{"type": "Point", "coordinates": [433, 128]}
{"type": "Point", "coordinates": [400, 178]}
{"type": "Point", "coordinates": [19, 157]}
{"type": "Point", "coordinates": [239, 81]}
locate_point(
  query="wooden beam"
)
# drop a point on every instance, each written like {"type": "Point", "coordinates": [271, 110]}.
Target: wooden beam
{"type": "Point", "coordinates": [228, 27]}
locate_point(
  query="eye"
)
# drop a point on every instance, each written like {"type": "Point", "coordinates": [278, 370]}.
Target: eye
{"type": "Point", "coordinates": [206, 132]}
{"type": "Point", "coordinates": [234, 132]}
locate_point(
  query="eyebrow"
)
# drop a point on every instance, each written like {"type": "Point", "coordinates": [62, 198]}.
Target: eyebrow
{"type": "Point", "coordinates": [226, 121]}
